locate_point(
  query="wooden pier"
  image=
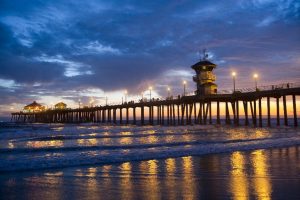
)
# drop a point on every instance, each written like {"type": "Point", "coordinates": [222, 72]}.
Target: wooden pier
{"type": "Point", "coordinates": [238, 108]}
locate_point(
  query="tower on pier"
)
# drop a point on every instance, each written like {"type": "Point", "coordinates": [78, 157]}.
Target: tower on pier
{"type": "Point", "coordinates": [205, 77]}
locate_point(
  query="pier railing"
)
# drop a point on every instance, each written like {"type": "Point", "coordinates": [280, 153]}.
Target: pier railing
{"type": "Point", "coordinates": [263, 88]}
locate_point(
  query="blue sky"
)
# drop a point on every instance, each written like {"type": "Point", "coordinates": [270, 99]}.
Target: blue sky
{"type": "Point", "coordinates": [70, 50]}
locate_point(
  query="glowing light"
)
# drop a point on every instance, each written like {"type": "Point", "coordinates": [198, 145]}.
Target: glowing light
{"type": "Point", "coordinates": [262, 185]}
{"type": "Point", "coordinates": [255, 76]}
{"type": "Point", "coordinates": [239, 182]}
{"type": "Point", "coordinates": [233, 74]}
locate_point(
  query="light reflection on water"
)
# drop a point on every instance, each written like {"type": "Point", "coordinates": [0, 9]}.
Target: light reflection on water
{"type": "Point", "coordinates": [87, 142]}
{"type": "Point", "coordinates": [239, 182]}
{"type": "Point", "coordinates": [126, 182]}
{"type": "Point", "coordinates": [126, 140]}
{"type": "Point", "coordinates": [261, 180]}
{"type": "Point", "coordinates": [239, 175]}
{"type": "Point", "coordinates": [41, 144]}
{"type": "Point", "coordinates": [244, 175]}
{"type": "Point", "coordinates": [109, 135]}
{"type": "Point", "coordinates": [188, 184]}
{"type": "Point", "coordinates": [152, 180]}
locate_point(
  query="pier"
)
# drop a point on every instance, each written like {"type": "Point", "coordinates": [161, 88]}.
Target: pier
{"type": "Point", "coordinates": [240, 108]}
{"type": "Point", "coordinates": [230, 107]}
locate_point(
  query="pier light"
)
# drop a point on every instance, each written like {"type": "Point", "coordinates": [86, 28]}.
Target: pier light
{"type": "Point", "coordinates": [233, 78]}
{"type": "Point", "coordinates": [125, 93]}
{"type": "Point", "coordinates": [184, 87]}
{"type": "Point", "coordinates": [150, 90]}
{"type": "Point", "coordinates": [169, 90]}
{"type": "Point", "coordinates": [79, 103]}
{"type": "Point", "coordinates": [142, 94]}
{"type": "Point", "coordinates": [255, 76]}
{"type": "Point", "coordinates": [91, 102]}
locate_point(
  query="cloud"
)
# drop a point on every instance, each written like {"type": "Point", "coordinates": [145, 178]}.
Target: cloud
{"type": "Point", "coordinates": [90, 49]}
{"type": "Point", "coordinates": [71, 68]}
{"type": "Point", "coordinates": [94, 47]}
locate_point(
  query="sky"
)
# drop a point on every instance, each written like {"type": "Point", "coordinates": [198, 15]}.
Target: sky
{"type": "Point", "coordinates": [61, 50]}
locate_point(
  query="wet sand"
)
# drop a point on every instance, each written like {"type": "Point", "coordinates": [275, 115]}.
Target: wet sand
{"type": "Point", "coordinates": [258, 174]}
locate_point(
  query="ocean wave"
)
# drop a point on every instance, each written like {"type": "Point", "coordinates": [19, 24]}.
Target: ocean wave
{"type": "Point", "coordinates": [98, 156]}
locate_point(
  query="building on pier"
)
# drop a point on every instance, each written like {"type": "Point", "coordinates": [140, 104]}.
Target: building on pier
{"type": "Point", "coordinates": [205, 77]}
{"type": "Point", "coordinates": [34, 107]}
{"type": "Point", "coordinates": [60, 106]}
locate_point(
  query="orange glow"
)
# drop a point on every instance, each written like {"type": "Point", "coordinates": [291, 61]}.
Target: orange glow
{"type": "Point", "coordinates": [126, 182]}
{"type": "Point", "coordinates": [262, 185]}
{"type": "Point", "coordinates": [239, 182]}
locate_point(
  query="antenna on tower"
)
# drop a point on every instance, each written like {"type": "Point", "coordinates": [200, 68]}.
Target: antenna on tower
{"type": "Point", "coordinates": [205, 54]}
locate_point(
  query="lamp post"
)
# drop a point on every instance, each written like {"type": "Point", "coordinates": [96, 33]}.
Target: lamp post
{"type": "Point", "coordinates": [106, 99]}
{"type": "Point", "coordinates": [233, 78]}
{"type": "Point", "coordinates": [255, 76]}
{"type": "Point", "coordinates": [91, 102]}
{"type": "Point", "coordinates": [125, 93]}
{"type": "Point", "coordinates": [150, 90]}
{"type": "Point", "coordinates": [184, 87]}
{"type": "Point", "coordinates": [79, 102]}
{"type": "Point", "coordinates": [169, 89]}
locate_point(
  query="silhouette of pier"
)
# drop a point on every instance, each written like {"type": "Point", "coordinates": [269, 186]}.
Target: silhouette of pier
{"type": "Point", "coordinates": [185, 110]}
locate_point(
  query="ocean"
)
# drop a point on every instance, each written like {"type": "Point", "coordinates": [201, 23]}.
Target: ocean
{"type": "Point", "coordinates": [92, 161]}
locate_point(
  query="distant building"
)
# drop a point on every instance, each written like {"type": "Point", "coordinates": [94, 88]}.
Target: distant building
{"type": "Point", "coordinates": [205, 77]}
{"type": "Point", "coordinates": [34, 107]}
{"type": "Point", "coordinates": [60, 106]}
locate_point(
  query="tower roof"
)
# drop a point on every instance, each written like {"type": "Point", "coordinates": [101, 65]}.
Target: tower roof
{"type": "Point", "coordinates": [61, 104]}
{"type": "Point", "coordinates": [202, 63]}
{"type": "Point", "coordinates": [34, 104]}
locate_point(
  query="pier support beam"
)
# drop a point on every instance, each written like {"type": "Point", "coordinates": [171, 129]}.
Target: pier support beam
{"type": "Point", "coordinates": [260, 112]}
{"type": "Point", "coordinates": [285, 111]}
{"type": "Point", "coordinates": [134, 115]}
{"type": "Point", "coordinates": [127, 115]}
{"type": "Point", "coordinates": [227, 114]}
{"type": "Point", "coordinates": [268, 111]}
{"type": "Point", "coordinates": [277, 112]}
{"type": "Point", "coordinates": [143, 115]}
{"type": "Point", "coordinates": [218, 113]}
{"type": "Point", "coordinates": [246, 113]}
{"type": "Point", "coordinates": [295, 111]}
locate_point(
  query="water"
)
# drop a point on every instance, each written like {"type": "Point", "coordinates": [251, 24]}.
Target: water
{"type": "Point", "coordinates": [149, 162]}
{"type": "Point", "coordinates": [42, 146]}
